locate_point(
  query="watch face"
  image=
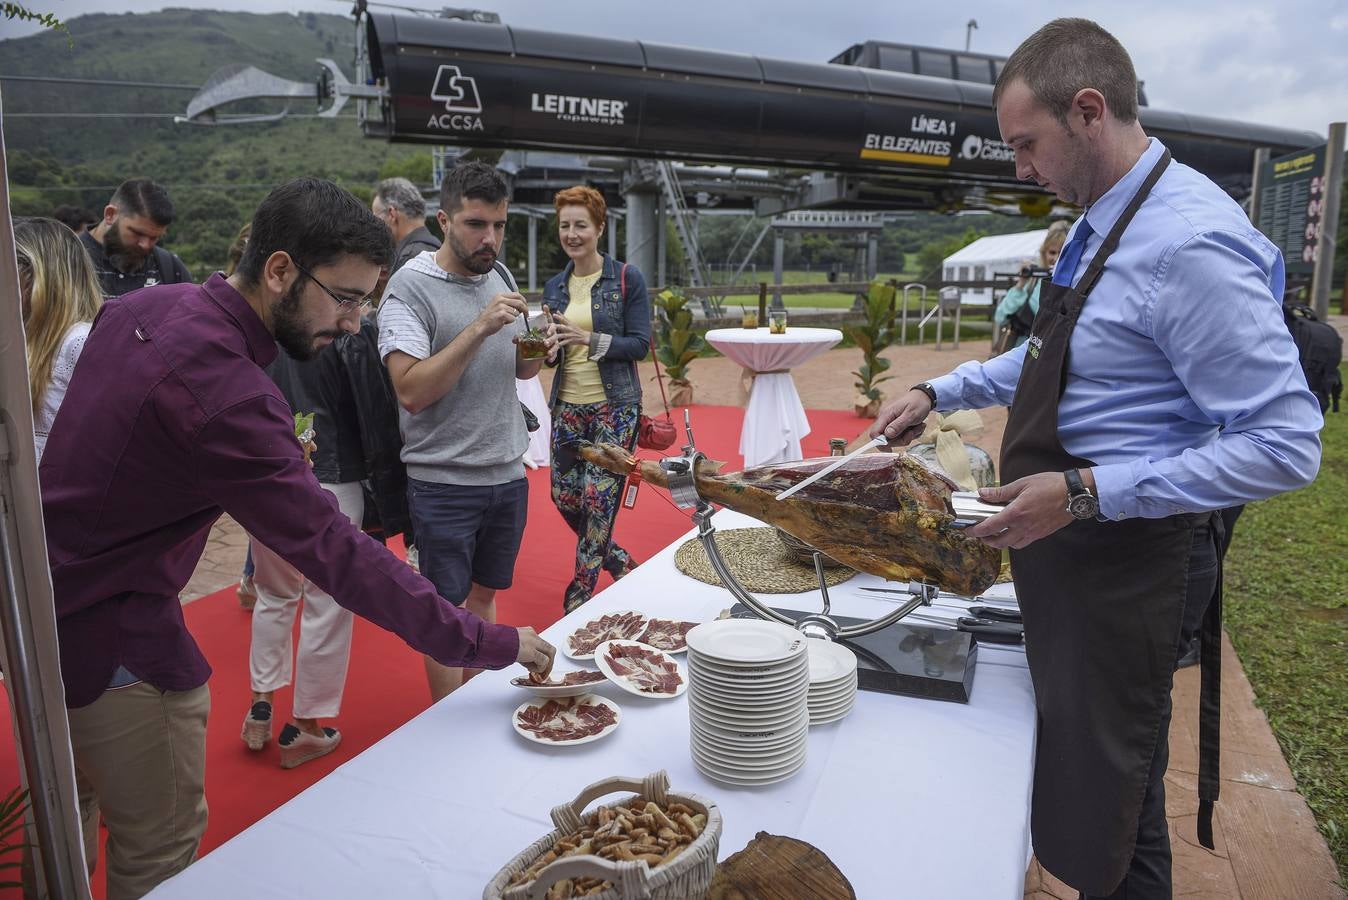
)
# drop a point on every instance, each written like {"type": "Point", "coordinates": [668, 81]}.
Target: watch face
{"type": "Point", "coordinates": [1084, 506]}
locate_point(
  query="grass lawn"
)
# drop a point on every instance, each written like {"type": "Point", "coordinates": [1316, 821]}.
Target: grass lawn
{"type": "Point", "coordinates": [1287, 614]}
{"type": "Point", "coordinates": [826, 301]}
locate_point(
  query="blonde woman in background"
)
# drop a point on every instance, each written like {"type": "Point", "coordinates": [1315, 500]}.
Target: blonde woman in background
{"type": "Point", "coordinates": [60, 296]}
{"type": "Point", "coordinates": [1015, 314]}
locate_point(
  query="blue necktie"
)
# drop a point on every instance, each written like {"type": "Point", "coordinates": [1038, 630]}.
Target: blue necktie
{"type": "Point", "coordinates": [1071, 255]}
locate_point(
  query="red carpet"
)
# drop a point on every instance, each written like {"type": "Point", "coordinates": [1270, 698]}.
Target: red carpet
{"type": "Point", "coordinates": [386, 684]}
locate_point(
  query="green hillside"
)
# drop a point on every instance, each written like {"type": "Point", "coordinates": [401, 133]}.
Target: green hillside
{"type": "Point", "coordinates": [216, 176]}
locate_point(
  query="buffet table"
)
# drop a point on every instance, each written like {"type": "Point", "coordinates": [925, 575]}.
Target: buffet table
{"type": "Point", "coordinates": [908, 797]}
{"type": "Point", "coordinates": [774, 421]}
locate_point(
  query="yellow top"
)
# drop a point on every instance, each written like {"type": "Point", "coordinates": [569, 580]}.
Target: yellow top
{"type": "Point", "coordinates": [581, 382]}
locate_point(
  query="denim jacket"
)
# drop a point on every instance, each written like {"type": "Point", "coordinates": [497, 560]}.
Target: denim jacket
{"type": "Point", "coordinates": [622, 327]}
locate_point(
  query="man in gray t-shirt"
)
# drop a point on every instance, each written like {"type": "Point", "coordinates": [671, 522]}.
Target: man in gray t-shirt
{"type": "Point", "coordinates": [447, 329]}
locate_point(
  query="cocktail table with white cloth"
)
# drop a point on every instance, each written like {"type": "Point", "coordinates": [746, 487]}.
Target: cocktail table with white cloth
{"type": "Point", "coordinates": [908, 797]}
{"type": "Point", "coordinates": [775, 421]}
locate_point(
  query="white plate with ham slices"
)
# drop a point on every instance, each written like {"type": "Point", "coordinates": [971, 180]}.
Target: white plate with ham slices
{"type": "Point", "coordinates": [615, 626]}
{"type": "Point", "coordinates": [566, 721]}
{"type": "Point", "coordinates": [641, 669]}
{"type": "Point", "coordinates": [572, 684]}
{"type": "Point", "coordinates": [668, 635]}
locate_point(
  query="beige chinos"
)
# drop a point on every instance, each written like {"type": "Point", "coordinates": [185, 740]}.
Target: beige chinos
{"type": "Point", "coordinates": [140, 759]}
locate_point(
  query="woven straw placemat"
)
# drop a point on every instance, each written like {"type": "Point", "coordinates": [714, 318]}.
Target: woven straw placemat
{"type": "Point", "coordinates": [759, 562]}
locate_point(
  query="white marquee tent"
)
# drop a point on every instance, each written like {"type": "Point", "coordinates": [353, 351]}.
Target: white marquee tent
{"type": "Point", "coordinates": [996, 254]}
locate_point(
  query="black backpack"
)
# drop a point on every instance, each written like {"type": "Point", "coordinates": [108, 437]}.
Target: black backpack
{"type": "Point", "coordinates": [1321, 351]}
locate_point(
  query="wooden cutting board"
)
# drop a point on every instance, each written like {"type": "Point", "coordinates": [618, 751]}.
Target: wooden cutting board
{"type": "Point", "coordinates": [773, 867]}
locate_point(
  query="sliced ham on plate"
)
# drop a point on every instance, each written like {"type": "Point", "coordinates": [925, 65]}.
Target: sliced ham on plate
{"type": "Point", "coordinates": [640, 669]}
{"type": "Point", "coordinates": [566, 720]}
{"type": "Point", "coordinates": [580, 643]}
{"type": "Point", "coordinates": [667, 634]}
{"type": "Point", "coordinates": [571, 684]}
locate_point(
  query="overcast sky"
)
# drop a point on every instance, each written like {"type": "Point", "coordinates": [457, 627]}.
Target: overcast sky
{"type": "Point", "coordinates": [1283, 64]}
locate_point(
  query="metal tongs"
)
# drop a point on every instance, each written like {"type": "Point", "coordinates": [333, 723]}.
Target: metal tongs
{"type": "Point", "coordinates": [970, 510]}
{"type": "Point", "coordinates": [878, 441]}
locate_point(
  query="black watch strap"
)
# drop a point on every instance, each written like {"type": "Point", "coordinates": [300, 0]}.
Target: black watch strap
{"type": "Point", "coordinates": [926, 388]}
{"type": "Point", "coordinates": [1075, 486]}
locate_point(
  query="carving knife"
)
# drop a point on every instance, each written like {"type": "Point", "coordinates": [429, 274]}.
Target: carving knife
{"type": "Point", "coordinates": [877, 441]}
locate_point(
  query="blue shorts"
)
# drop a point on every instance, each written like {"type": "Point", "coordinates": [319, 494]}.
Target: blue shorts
{"type": "Point", "coordinates": [468, 534]}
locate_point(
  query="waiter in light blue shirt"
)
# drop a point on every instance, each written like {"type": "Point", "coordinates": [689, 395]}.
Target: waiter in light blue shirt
{"type": "Point", "coordinates": [1159, 385]}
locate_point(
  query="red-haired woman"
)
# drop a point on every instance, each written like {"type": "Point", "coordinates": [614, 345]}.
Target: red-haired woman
{"type": "Point", "coordinates": [603, 319]}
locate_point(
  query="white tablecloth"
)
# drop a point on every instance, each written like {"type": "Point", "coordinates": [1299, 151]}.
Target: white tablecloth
{"type": "Point", "coordinates": [530, 392]}
{"type": "Point", "coordinates": [909, 797]}
{"type": "Point", "coordinates": [775, 421]}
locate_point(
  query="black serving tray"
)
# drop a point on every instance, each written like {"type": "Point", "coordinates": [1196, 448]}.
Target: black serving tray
{"type": "Point", "coordinates": [933, 663]}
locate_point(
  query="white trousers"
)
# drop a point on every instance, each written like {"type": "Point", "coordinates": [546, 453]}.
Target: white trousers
{"type": "Point", "coordinates": [325, 628]}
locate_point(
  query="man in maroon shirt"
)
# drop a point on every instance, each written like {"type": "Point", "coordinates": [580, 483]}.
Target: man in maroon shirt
{"type": "Point", "coordinates": [170, 420]}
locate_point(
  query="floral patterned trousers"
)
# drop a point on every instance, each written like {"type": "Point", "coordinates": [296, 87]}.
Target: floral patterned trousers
{"type": "Point", "coordinates": [588, 496]}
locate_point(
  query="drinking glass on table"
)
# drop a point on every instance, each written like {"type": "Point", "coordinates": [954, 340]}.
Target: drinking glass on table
{"type": "Point", "coordinates": [749, 319]}
{"type": "Point", "coordinates": [777, 321]}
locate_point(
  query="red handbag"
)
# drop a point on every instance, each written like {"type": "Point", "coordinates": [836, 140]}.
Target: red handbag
{"type": "Point", "coordinates": [652, 433]}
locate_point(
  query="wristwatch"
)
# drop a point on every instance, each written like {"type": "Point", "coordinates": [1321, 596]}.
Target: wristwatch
{"type": "Point", "coordinates": [1081, 503]}
{"type": "Point", "coordinates": [926, 388]}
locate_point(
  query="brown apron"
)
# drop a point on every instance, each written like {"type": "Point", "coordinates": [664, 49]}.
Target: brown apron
{"type": "Point", "coordinates": [1103, 603]}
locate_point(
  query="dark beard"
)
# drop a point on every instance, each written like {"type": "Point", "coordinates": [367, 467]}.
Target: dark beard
{"type": "Point", "coordinates": [477, 263]}
{"type": "Point", "coordinates": [291, 329]}
{"type": "Point", "coordinates": [123, 258]}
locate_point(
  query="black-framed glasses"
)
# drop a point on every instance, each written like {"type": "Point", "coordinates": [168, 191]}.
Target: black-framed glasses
{"type": "Point", "coordinates": [345, 304]}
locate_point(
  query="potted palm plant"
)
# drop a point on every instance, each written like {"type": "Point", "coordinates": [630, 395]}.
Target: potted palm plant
{"type": "Point", "coordinates": [872, 336]}
{"type": "Point", "coordinates": [676, 343]}
{"type": "Point", "coordinates": [12, 838]}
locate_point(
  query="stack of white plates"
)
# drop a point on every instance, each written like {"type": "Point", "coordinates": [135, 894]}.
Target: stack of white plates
{"type": "Point", "coordinates": [833, 681]}
{"type": "Point", "coordinates": [748, 686]}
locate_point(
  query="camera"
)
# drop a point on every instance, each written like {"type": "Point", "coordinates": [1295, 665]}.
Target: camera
{"type": "Point", "coordinates": [1035, 272]}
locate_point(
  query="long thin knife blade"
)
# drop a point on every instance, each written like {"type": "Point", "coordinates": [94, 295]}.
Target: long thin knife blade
{"type": "Point", "coordinates": [877, 441]}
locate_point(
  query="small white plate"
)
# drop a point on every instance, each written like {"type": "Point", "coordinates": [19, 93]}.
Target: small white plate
{"type": "Point", "coordinates": [582, 700]}
{"type": "Point", "coordinates": [830, 661]}
{"type": "Point", "coordinates": [779, 760]}
{"type": "Point", "coordinates": [746, 641]}
{"type": "Point", "coordinates": [756, 688]}
{"type": "Point", "coordinates": [566, 641]}
{"type": "Point", "coordinates": [558, 690]}
{"type": "Point", "coordinates": [728, 776]}
{"type": "Point", "coordinates": [628, 684]}
{"type": "Point", "coordinates": [830, 717]}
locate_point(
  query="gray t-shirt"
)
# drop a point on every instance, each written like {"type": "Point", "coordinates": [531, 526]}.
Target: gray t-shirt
{"type": "Point", "coordinates": [475, 433]}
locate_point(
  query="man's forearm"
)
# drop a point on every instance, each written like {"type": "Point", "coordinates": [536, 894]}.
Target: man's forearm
{"type": "Point", "coordinates": [427, 380]}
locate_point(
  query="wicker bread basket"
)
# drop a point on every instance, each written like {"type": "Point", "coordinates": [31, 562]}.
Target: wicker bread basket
{"type": "Point", "coordinates": [685, 877]}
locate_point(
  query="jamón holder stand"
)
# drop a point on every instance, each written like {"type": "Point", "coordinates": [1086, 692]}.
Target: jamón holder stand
{"type": "Point", "coordinates": [681, 472]}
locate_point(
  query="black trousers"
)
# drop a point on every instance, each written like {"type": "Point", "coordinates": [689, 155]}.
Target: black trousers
{"type": "Point", "coordinates": [1148, 876]}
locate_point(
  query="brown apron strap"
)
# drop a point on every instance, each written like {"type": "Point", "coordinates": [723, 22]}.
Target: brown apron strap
{"type": "Point", "coordinates": [1210, 696]}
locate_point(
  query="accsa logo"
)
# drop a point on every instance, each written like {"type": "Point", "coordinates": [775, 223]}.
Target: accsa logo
{"type": "Point", "coordinates": [986, 149]}
{"type": "Point", "coordinates": [462, 101]}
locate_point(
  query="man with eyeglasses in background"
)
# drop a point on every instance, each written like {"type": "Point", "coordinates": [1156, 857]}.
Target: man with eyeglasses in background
{"type": "Point", "coordinates": [447, 328]}
{"type": "Point", "coordinates": [398, 204]}
{"type": "Point", "coordinates": [169, 421]}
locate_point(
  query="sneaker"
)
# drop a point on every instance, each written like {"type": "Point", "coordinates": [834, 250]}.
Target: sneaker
{"type": "Point", "coordinates": [247, 592]}
{"type": "Point", "coordinates": [257, 725]}
{"type": "Point", "coordinates": [298, 747]}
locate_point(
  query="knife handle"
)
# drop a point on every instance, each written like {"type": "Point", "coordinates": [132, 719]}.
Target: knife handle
{"type": "Point", "coordinates": [998, 615]}
{"type": "Point", "coordinates": [993, 634]}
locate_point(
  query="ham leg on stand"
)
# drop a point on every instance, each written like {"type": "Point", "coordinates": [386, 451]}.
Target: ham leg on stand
{"type": "Point", "coordinates": [882, 513]}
